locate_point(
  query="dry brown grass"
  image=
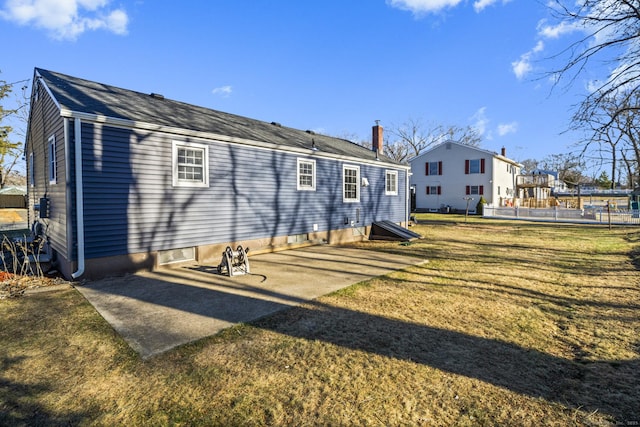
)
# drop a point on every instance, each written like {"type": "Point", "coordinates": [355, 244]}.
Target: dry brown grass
{"type": "Point", "coordinates": [510, 323]}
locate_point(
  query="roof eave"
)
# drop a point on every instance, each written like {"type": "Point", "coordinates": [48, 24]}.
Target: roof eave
{"type": "Point", "coordinates": [126, 123]}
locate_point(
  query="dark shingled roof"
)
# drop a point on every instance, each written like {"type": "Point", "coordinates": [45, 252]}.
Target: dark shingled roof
{"type": "Point", "coordinates": [85, 96]}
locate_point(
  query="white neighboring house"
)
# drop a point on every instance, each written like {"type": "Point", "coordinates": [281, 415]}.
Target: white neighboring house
{"type": "Point", "coordinates": [450, 173]}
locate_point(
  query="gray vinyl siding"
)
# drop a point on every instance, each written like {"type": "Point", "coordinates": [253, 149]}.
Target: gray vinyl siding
{"type": "Point", "coordinates": [45, 121]}
{"type": "Point", "coordinates": [131, 205]}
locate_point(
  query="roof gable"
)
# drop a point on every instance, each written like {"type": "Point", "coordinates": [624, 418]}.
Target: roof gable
{"type": "Point", "coordinates": [480, 151]}
{"type": "Point", "coordinates": [75, 95]}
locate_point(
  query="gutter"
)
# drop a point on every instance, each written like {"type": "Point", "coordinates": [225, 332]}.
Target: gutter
{"type": "Point", "coordinates": [79, 198]}
{"type": "Point", "coordinates": [224, 139]}
{"type": "Point", "coordinates": [407, 199]}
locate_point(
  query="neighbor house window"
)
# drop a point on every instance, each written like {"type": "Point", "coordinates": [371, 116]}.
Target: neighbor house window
{"type": "Point", "coordinates": [391, 183]}
{"type": "Point", "coordinates": [190, 165]}
{"type": "Point", "coordinates": [434, 190]}
{"type": "Point", "coordinates": [306, 175]}
{"type": "Point", "coordinates": [474, 166]}
{"type": "Point", "coordinates": [434, 168]}
{"type": "Point", "coordinates": [52, 160]}
{"type": "Point", "coordinates": [475, 189]}
{"type": "Point", "coordinates": [350, 187]}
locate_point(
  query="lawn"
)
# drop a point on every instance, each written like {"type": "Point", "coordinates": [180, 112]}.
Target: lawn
{"type": "Point", "coordinates": [510, 323]}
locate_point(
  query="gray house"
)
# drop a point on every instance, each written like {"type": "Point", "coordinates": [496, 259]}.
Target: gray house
{"type": "Point", "coordinates": [120, 181]}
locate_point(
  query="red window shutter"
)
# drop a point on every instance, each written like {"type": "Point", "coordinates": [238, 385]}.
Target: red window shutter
{"type": "Point", "coordinates": [468, 189]}
{"type": "Point", "coordinates": [426, 168]}
{"type": "Point", "coordinates": [481, 165]}
{"type": "Point", "coordinates": [439, 168]}
{"type": "Point", "coordinates": [439, 190]}
{"type": "Point", "coordinates": [481, 191]}
{"type": "Point", "coordinates": [428, 190]}
{"type": "Point", "coordinates": [466, 168]}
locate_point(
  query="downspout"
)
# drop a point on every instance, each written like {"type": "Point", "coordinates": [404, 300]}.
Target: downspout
{"type": "Point", "coordinates": [79, 198]}
{"type": "Point", "coordinates": [407, 199]}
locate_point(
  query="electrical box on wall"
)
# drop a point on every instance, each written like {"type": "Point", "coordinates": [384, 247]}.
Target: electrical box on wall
{"type": "Point", "coordinates": [44, 208]}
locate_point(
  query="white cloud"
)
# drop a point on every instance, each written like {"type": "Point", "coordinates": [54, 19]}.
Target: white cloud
{"type": "Point", "coordinates": [556, 31]}
{"type": "Point", "coordinates": [420, 7]}
{"type": "Point", "coordinates": [480, 122]}
{"type": "Point", "coordinates": [507, 128]}
{"type": "Point", "coordinates": [523, 66]}
{"type": "Point", "coordinates": [224, 91]}
{"type": "Point", "coordinates": [480, 5]}
{"type": "Point", "coordinates": [66, 19]}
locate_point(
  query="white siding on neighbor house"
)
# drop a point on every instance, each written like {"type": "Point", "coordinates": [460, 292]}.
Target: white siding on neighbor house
{"type": "Point", "coordinates": [454, 182]}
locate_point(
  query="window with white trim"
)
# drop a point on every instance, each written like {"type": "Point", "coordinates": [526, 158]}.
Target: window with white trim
{"type": "Point", "coordinates": [350, 181]}
{"type": "Point", "coordinates": [53, 178]}
{"type": "Point", "coordinates": [391, 183]}
{"type": "Point", "coordinates": [306, 175]}
{"type": "Point", "coordinates": [190, 164]}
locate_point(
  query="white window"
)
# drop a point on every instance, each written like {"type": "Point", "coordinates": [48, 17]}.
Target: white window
{"type": "Point", "coordinates": [391, 183]}
{"type": "Point", "coordinates": [52, 160]}
{"type": "Point", "coordinates": [350, 187]}
{"type": "Point", "coordinates": [306, 175]}
{"type": "Point", "coordinates": [190, 165]}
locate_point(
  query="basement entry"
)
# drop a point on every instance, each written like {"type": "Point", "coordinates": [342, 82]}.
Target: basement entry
{"type": "Point", "coordinates": [388, 230]}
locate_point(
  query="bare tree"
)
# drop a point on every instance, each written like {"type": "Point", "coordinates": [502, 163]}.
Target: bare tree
{"type": "Point", "coordinates": [569, 167]}
{"type": "Point", "coordinates": [10, 152]}
{"type": "Point", "coordinates": [467, 135]}
{"type": "Point", "coordinates": [614, 134]}
{"type": "Point", "coordinates": [611, 37]}
{"type": "Point", "coordinates": [413, 137]}
{"type": "Point", "coordinates": [528, 166]}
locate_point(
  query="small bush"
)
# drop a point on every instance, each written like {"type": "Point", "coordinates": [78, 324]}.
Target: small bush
{"type": "Point", "coordinates": [480, 205]}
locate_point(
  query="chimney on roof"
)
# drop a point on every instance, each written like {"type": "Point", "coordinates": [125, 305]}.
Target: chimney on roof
{"type": "Point", "coordinates": [503, 152]}
{"type": "Point", "coordinates": [377, 141]}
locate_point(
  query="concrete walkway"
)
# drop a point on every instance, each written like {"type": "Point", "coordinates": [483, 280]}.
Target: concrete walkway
{"type": "Point", "coordinates": [156, 311]}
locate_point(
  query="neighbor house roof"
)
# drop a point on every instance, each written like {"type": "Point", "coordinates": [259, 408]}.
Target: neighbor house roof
{"type": "Point", "coordinates": [480, 150]}
{"type": "Point", "coordinates": [75, 95]}
{"type": "Point", "coordinates": [14, 191]}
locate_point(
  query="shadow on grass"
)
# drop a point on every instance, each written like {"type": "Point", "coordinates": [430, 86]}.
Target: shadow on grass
{"type": "Point", "coordinates": [605, 386]}
{"type": "Point", "coordinates": [19, 403]}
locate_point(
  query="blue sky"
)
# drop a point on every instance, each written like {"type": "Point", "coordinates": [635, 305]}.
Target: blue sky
{"type": "Point", "coordinates": [333, 66]}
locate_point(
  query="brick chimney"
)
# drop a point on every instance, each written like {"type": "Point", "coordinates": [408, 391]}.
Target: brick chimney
{"type": "Point", "coordinates": [377, 141]}
{"type": "Point", "coordinates": [503, 152]}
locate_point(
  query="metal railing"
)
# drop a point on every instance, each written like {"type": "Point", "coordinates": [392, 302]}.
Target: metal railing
{"type": "Point", "coordinates": [598, 215]}
{"type": "Point", "coordinates": [534, 181]}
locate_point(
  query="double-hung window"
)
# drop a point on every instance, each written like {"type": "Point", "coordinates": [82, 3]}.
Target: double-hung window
{"type": "Point", "coordinates": [434, 168]}
{"type": "Point", "coordinates": [474, 166]}
{"type": "Point", "coordinates": [434, 190]}
{"type": "Point", "coordinates": [350, 187]}
{"type": "Point", "coordinates": [53, 177]}
{"type": "Point", "coordinates": [306, 175]}
{"type": "Point", "coordinates": [475, 190]}
{"type": "Point", "coordinates": [190, 165]}
{"type": "Point", "coordinates": [391, 183]}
